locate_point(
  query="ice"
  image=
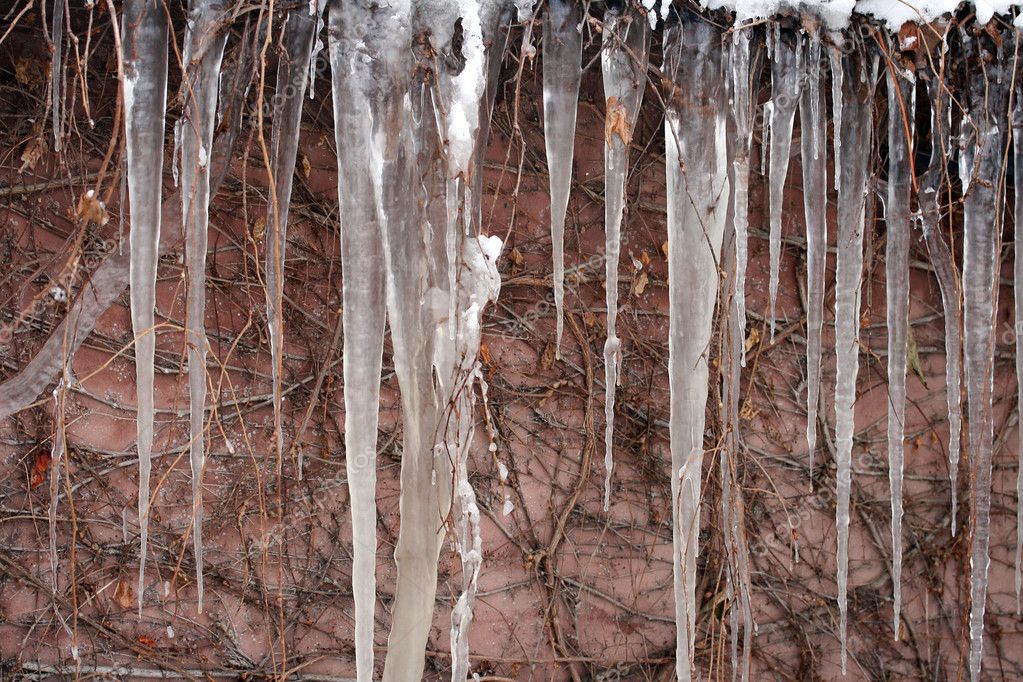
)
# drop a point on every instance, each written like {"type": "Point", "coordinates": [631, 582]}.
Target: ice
{"type": "Point", "coordinates": [983, 145]}
{"type": "Point", "coordinates": [292, 78]}
{"type": "Point", "coordinates": [626, 45]}
{"type": "Point", "coordinates": [57, 71]}
{"type": "Point", "coordinates": [929, 199]}
{"type": "Point", "coordinates": [562, 72]}
{"type": "Point", "coordinates": [742, 112]}
{"type": "Point", "coordinates": [786, 82]}
{"type": "Point", "coordinates": [144, 35]}
{"type": "Point", "coordinates": [1017, 248]}
{"type": "Point", "coordinates": [813, 146]}
{"type": "Point", "coordinates": [837, 86]}
{"type": "Point", "coordinates": [204, 50]}
{"type": "Point", "coordinates": [360, 159]}
{"type": "Point", "coordinates": [860, 74]}
{"type": "Point", "coordinates": [901, 118]}
{"type": "Point", "coordinates": [698, 194]}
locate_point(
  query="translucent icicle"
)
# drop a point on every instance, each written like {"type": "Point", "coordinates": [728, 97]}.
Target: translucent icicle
{"type": "Point", "coordinates": [837, 87]}
{"type": "Point", "coordinates": [1017, 247]}
{"type": "Point", "coordinates": [204, 50]}
{"type": "Point", "coordinates": [292, 79]}
{"type": "Point", "coordinates": [562, 72]}
{"type": "Point", "coordinates": [929, 200]}
{"type": "Point", "coordinates": [980, 167]}
{"type": "Point", "coordinates": [144, 35]}
{"type": "Point", "coordinates": [742, 114]}
{"type": "Point", "coordinates": [698, 195]}
{"type": "Point", "coordinates": [901, 117]}
{"type": "Point", "coordinates": [856, 129]}
{"type": "Point", "coordinates": [786, 82]}
{"type": "Point", "coordinates": [813, 145]}
{"type": "Point", "coordinates": [57, 71]}
{"type": "Point", "coordinates": [359, 159]}
{"type": "Point", "coordinates": [626, 44]}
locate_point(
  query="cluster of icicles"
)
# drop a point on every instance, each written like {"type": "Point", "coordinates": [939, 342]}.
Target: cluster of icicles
{"type": "Point", "coordinates": [410, 142]}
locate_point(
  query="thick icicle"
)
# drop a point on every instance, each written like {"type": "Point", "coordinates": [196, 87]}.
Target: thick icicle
{"type": "Point", "coordinates": [837, 87]}
{"type": "Point", "coordinates": [742, 114]}
{"type": "Point", "coordinates": [697, 174]}
{"type": "Point", "coordinates": [562, 73]}
{"type": "Point", "coordinates": [292, 79]}
{"type": "Point", "coordinates": [1017, 247]}
{"type": "Point", "coordinates": [929, 201]}
{"type": "Point", "coordinates": [813, 146]}
{"type": "Point", "coordinates": [359, 159]}
{"type": "Point", "coordinates": [144, 35]}
{"type": "Point", "coordinates": [57, 71]}
{"type": "Point", "coordinates": [786, 82]}
{"type": "Point", "coordinates": [204, 50]}
{"type": "Point", "coordinates": [626, 44]}
{"type": "Point", "coordinates": [856, 129]}
{"type": "Point", "coordinates": [901, 117]}
{"type": "Point", "coordinates": [983, 147]}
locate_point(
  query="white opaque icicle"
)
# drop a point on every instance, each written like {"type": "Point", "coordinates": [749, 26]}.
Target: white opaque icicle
{"type": "Point", "coordinates": [983, 147]}
{"type": "Point", "coordinates": [359, 160]}
{"type": "Point", "coordinates": [204, 50]}
{"type": "Point", "coordinates": [857, 128]}
{"type": "Point", "coordinates": [786, 83]}
{"type": "Point", "coordinates": [742, 114]}
{"type": "Point", "coordinates": [901, 117]}
{"type": "Point", "coordinates": [562, 73]}
{"type": "Point", "coordinates": [698, 196]}
{"type": "Point", "coordinates": [813, 146]}
{"type": "Point", "coordinates": [626, 44]}
{"type": "Point", "coordinates": [144, 34]}
{"type": "Point", "coordinates": [292, 80]}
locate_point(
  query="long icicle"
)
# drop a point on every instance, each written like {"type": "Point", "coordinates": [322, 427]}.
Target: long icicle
{"type": "Point", "coordinates": [363, 307]}
{"type": "Point", "coordinates": [929, 201]}
{"type": "Point", "coordinates": [856, 129]}
{"type": "Point", "coordinates": [742, 114]}
{"type": "Point", "coordinates": [204, 50]}
{"type": "Point", "coordinates": [786, 82]}
{"type": "Point", "coordinates": [626, 44]}
{"type": "Point", "coordinates": [814, 150]}
{"type": "Point", "coordinates": [562, 73]}
{"type": "Point", "coordinates": [1017, 279]}
{"type": "Point", "coordinates": [144, 34]}
{"type": "Point", "coordinates": [901, 117]}
{"type": "Point", "coordinates": [698, 194]}
{"type": "Point", "coordinates": [292, 80]}
{"type": "Point", "coordinates": [983, 148]}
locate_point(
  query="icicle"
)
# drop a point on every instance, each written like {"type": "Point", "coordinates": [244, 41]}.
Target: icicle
{"type": "Point", "coordinates": [742, 113]}
{"type": "Point", "coordinates": [901, 117]}
{"type": "Point", "coordinates": [204, 50]}
{"type": "Point", "coordinates": [359, 160]}
{"type": "Point", "coordinates": [562, 72]}
{"type": "Point", "coordinates": [697, 174]}
{"type": "Point", "coordinates": [144, 35]}
{"type": "Point", "coordinates": [929, 200]}
{"type": "Point", "coordinates": [835, 55]}
{"type": "Point", "coordinates": [786, 82]}
{"type": "Point", "coordinates": [815, 205]}
{"type": "Point", "coordinates": [856, 129]}
{"type": "Point", "coordinates": [626, 44]}
{"type": "Point", "coordinates": [292, 77]}
{"type": "Point", "coordinates": [1017, 247]}
{"type": "Point", "coordinates": [980, 166]}
{"type": "Point", "coordinates": [57, 71]}
{"type": "Point", "coordinates": [480, 283]}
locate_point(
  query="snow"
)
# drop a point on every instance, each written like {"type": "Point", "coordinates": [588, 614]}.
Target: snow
{"type": "Point", "coordinates": [835, 14]}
